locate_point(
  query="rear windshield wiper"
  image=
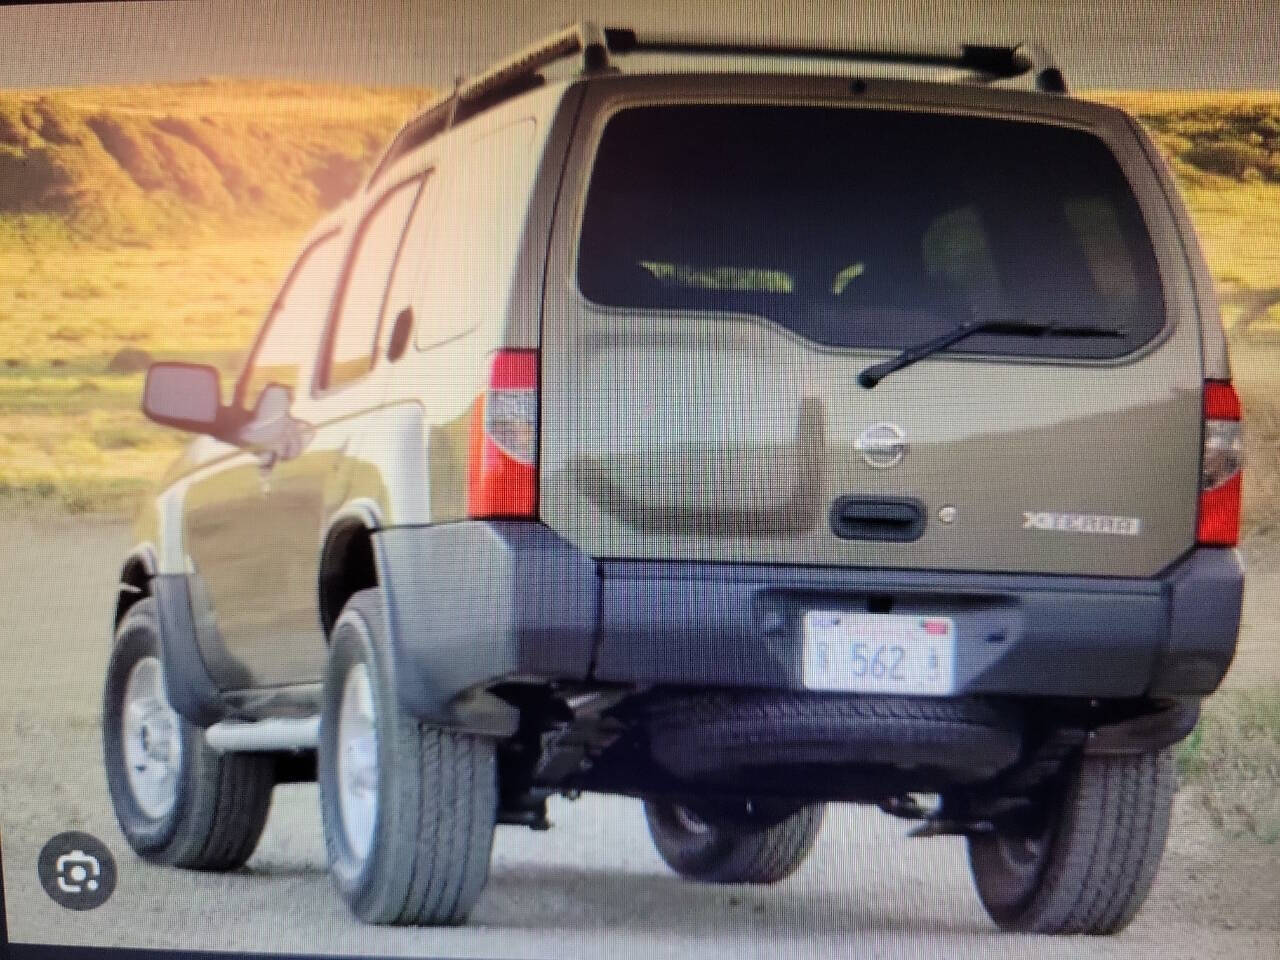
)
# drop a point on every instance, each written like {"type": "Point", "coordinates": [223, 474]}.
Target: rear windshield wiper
{"type": "Point", "coordinates": [996, 325]}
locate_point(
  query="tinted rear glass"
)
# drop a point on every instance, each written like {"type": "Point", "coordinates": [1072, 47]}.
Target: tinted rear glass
{"type": "Point", "coordinates": [870, 228]}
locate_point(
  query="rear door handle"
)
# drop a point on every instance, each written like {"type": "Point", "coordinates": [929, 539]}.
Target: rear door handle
{"type": "Point", "coordinates": [892, 519]}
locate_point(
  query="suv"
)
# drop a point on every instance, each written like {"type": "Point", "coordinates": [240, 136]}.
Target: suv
{"type": "Point", "coordinates": [738, 441]}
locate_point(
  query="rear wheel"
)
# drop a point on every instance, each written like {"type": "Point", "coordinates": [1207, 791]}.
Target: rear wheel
{"type": "Point", "coordinates": [409, 810]}
{"type": "Point", "coordinates": [1089, 864]}
{"type": "Point", "coordinates": [740, 849]}
{"type": "Point", "coordinates": [176, 799]}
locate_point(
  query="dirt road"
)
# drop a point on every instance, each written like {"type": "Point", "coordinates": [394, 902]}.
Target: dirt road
{"type": "Point", "coordinates": [593, 885]}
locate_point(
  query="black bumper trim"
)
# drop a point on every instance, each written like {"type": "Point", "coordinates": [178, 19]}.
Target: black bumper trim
{"type": "Point", "coordinates": [474, 603]}
{"type": "Point", "coordinates": [1144, 734]}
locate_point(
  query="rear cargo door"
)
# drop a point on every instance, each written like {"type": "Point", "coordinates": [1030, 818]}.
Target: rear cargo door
{"type": "Point", "coordinates": [722, 272]}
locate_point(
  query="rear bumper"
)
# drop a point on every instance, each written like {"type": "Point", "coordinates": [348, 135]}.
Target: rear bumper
{"type": "Point", "coordinates": [476, 602]}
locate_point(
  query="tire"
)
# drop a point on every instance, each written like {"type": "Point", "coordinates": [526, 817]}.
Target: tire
{"type": "Point", "coordinates": [409, 810]}
{"type": "Point", "coordinates": [178, 801]}
{"type": "Point", "coordinates": [702, 735]}
{"type": "Point", "coordinates": [717, 851]}
{"type": "Point", "coordinates": [1091, 865]}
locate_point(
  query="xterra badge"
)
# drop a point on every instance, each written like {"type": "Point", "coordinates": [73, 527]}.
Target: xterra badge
{"type": "Point", "coordinates": [1082, 523]}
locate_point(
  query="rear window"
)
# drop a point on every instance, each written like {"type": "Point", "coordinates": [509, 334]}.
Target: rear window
{"type": "Point", "coordinates": [870, 228]}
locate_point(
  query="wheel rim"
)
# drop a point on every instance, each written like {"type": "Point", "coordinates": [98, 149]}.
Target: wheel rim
{"type": "Point", "coordinates": [152, 735]}
{"type": "Point", "coordinates": [358, 761]}
{"type": "Point", "coordinates": [1022, 856]}
{"type": "Point", "coordinates": [690, 821]}
{"type": "Point", "coordinates": [1021, 862]}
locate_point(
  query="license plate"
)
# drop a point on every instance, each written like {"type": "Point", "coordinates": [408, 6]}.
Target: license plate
{"type": "Point", "coordinates": [879, 653]}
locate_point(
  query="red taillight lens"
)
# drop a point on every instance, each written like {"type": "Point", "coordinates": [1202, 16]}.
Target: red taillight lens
{"type": "Point", "coordinates": [1221, 467]}
{"type": "Point", "coordinates": [503, 462]}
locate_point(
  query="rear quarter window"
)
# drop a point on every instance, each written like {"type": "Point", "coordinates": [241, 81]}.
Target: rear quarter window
{"type": "Point", "coordinates": [465, 248]}
{"type": "Point", "coordinates": [876, 228]}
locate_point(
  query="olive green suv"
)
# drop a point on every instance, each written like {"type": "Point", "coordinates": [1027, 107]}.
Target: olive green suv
{"type": "Point", "coordinates": [738, 428]}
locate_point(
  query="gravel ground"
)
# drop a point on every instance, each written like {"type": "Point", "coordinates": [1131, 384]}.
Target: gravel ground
{"type": "Point", "coordinates": [591, 885]}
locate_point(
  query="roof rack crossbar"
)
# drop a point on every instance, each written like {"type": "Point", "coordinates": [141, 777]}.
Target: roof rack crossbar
{"type": "Point", "coordinates": [521, 71]}
{"type": "Point", "coordinates": [997, 62]}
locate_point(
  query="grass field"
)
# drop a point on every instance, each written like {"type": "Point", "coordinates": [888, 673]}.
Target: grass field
{"type": "Point", "coordinates": [1231, 762]}
{"type": "Point", "coordinates": [70, 429]}
{"type": "Point", "coordinates": [150, 221]}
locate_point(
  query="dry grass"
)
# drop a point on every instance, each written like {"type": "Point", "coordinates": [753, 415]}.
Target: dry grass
{"type": "Point", "coordinates": [156, 218]}
{"type": "Point", "coordinates": [1231, 763]}
{"type": "Point", "coordinates": [70, 431]}
{"type": "Point", "coordinates": [1224, 148]}
{"type": "Point", "coordinates": [1262, 450]}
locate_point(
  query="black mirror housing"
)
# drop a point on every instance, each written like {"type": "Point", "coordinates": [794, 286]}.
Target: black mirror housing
{"type": "Point", "coordinates": [187, 396]}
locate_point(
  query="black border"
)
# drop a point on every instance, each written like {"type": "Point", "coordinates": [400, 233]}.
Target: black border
{"type": "Point", "coordinates": [4, 923]}
{"type": "Point", "coordinates": [44, 951]}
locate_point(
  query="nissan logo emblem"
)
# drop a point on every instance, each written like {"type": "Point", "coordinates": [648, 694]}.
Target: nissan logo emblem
{"type": "Point", "coordinates": [882, 445]}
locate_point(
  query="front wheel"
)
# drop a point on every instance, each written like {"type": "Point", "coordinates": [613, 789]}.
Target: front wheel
{"type": "Point", "coordinates": [409, 809]}
{"type": "Point", "coordinates": [712, 849]}
{"type": "Point", "coordinates": [1087, 866]}
{"type": "Point", "coordinates": [176, 799]}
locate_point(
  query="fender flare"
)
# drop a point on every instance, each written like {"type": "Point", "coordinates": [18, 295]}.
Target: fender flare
{"type": "Point", "coordinates": [141, 559]}
{"type": "Point", "coordinates": [192, 691]}
{"type": "Point", "coordinates": [362, 514]}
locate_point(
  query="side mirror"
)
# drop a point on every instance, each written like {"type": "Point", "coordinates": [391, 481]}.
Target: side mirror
{"type": "Point", "coordinates": [272, 429]}
{"type": "Point", "coordinates": [184, 395]}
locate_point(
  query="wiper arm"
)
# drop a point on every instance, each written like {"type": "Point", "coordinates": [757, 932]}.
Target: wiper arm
{"type": "Point", "coordinates": [998, 325]}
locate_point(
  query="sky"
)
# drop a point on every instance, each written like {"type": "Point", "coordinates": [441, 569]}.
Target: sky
{"type": "Point", "coordinates": [1101, 43]}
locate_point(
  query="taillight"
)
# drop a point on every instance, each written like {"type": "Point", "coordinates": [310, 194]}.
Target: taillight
{"type": "Point", "coordinates": [1221, 467]}
{"type": "Point", "coordinates": [503, 462]}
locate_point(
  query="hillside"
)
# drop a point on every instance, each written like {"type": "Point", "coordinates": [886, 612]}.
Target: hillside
{"type": "Point", "coordinates": [145, 163]}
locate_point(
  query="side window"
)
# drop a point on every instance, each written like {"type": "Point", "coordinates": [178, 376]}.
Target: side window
{"type": "Point", "coordinates": [350, 351]}
{"type": "Point", "coordinates": [465, 248]}
{"type": "Point", "coordinates": [413, 280]}
{"type": "Point", "coordinates": [291, 332]}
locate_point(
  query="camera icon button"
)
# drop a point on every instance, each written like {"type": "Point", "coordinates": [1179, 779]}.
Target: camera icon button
{"type": "Point", "coordinates": [77, 871]}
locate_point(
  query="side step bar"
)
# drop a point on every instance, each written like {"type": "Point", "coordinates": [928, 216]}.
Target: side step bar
{"type": "Point", "coordinates": [264, 736]}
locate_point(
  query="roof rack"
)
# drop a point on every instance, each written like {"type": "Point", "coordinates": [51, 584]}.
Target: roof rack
{"type": "Point", "coordinates": [994, 63]}
{"type": "Point", "coordinates": [505, 79]}
{"type": "Point", "coordinates": [522, 71]}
